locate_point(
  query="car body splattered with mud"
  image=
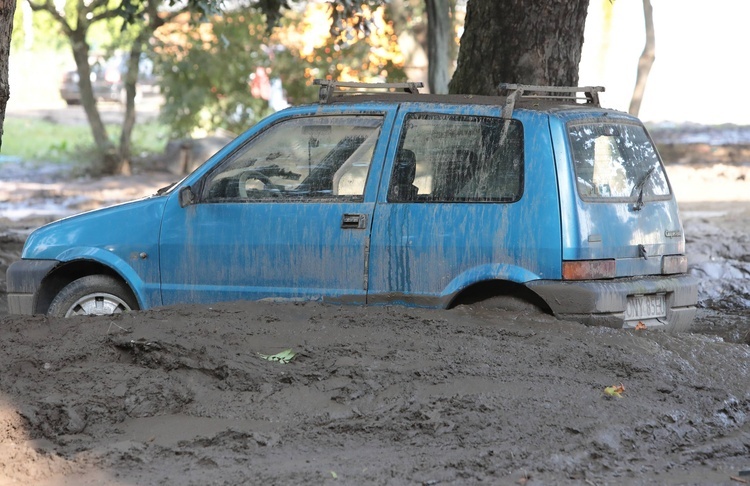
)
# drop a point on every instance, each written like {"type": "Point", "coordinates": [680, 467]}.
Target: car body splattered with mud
{"type": "Point", "coordinates": [404, 198]}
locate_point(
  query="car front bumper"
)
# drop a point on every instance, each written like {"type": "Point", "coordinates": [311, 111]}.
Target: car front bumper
{"type": "Point", "coordinates": [604, 302]}
{"type": "Point", "coordinates": [23, 280]}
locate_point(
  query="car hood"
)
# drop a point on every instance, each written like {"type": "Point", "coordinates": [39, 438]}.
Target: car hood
{"type": "Point", "coordinates": [131, 224]}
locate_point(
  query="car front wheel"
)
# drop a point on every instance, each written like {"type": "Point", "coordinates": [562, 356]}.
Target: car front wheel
{"type": "Point", "coordinates": [95, 295]}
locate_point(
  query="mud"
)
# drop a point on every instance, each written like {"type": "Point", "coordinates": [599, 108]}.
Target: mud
{"type": "Point", "coordinates": [382, 395]}
{"type": "Point", "coordinates": [379, 395]}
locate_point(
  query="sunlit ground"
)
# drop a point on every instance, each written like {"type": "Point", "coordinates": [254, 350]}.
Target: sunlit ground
{"type": "Point", "coordinates": [716, 183]}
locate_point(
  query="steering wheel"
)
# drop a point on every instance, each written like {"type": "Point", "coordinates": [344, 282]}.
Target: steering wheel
{"type": "Point", "coordinates": [252, 174]}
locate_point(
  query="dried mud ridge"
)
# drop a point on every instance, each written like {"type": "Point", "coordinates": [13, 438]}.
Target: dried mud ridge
{"type": "Point", "coordinates": [383, 395]}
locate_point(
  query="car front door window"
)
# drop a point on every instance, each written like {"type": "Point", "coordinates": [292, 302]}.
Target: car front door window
{"type": "Point", "coordinates": [319, 158]}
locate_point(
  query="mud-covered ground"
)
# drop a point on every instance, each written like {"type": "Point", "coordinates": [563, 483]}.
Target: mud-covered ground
{"type": "Point", "coordinates": [380, 395]}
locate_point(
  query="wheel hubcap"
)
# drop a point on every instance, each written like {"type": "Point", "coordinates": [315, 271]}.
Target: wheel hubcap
{"type": "Point", "coordinates": [99, 304]}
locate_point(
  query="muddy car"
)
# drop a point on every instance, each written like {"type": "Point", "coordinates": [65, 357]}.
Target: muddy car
{"type": "Point", "coordinates": [399, 197]}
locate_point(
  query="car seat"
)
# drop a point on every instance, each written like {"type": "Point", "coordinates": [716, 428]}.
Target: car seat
{"type": "Point", "coordinates": [404, 173]}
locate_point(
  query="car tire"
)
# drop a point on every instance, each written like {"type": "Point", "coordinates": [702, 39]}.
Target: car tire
{"type": "Point", "coordinates": [93, 295]}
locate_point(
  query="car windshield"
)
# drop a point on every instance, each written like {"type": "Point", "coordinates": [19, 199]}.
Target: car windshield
{"type": "Point", "coordinates": [616, 161]}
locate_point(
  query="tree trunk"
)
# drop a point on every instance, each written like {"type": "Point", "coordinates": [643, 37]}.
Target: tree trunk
{"type": "Point", "coordinates": [131, 81]}
{"type": "Point", "coordinates": [109, 162]}
{"type": "Point", "coordinates": [518, 41]}
{"type": "Point", "coordinates": [439, 36]}
{"type": "Point", "coordinates": [7, 9]}
{"type": "Point", "coordinates": [646, 61]}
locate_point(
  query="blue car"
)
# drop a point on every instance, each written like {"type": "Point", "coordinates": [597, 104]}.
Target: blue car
{"type": "Point", "coordinates": [398, 197]}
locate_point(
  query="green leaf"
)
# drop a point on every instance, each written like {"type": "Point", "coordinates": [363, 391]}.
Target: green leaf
{"type": "Point", "coordinates": [283, 357]}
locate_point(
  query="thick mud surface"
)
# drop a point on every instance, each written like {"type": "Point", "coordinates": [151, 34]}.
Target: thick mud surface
{"type": "Point", "coordinates": [380, 395]}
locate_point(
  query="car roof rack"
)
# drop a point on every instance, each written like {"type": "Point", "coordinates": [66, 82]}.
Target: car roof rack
{"type": "Point", "coordinates": [329, 88]}
{"type": "Point", "coordinates": [514, 92]}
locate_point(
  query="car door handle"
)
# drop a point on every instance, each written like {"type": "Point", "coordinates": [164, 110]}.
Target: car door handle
{"type": "Point", "coordinates": [354, 221]}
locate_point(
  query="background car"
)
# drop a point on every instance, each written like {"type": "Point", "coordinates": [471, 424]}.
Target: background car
{"type": "Point", "coordinates": [108, 80]}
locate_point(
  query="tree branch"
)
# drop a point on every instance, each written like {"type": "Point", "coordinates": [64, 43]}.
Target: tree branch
{"type": "Point", "coordinates": [107, 14]}
{"type": "Point", "coordinates": [49, 7]}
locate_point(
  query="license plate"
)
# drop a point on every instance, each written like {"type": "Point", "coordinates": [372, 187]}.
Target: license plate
{"type": "Point", "coordinates": [641, 307]}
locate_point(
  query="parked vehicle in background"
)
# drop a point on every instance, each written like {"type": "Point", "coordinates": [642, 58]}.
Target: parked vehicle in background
{"type": "Point", "coordinates": [108, 80]}
{"type": "Point", "coordinates": [421, 200]}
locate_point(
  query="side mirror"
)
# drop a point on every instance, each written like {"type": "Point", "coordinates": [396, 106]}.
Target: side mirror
{"type": "Point", "coordinates": [186, 196]}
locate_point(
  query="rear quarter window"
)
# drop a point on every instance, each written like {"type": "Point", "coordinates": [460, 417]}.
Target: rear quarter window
{"type": "Point", "coordinates": [616, 162]}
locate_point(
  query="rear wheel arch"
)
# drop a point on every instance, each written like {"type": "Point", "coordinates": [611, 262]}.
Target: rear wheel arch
{"type": "Point", "coordinates": [65, 274]}
{"type": "Point", "coordinates": [499, 293]}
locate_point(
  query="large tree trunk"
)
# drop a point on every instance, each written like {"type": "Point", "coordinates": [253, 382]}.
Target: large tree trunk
{"type": "Point", "coordinates": [518, 41]}
{"type": "Point", "coordinates": [7, 9]}
{"type": "Point", "coordinates": [439, 36]}
{"type": "Point", "coordinates": [646, 61]}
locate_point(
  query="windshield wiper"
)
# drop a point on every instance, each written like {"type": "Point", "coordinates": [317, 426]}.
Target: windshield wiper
{"type": "Point", "coordinates": [640, 186]}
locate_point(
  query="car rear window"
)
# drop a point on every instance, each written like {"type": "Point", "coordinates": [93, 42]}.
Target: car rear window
{"type": "Point", "coordinates": [616, 161]}
{"type": "Point", "coordinates": [456, 158]}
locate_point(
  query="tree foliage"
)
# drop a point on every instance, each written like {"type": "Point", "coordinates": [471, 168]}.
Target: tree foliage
{"type": "Point", "coordinates": [208, 72]}
{"type": "Point", "coordinates": [504, 41]}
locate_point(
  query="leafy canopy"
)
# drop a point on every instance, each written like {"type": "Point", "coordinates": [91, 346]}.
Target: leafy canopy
{"type": "Point", "coordinates": [216, 74]}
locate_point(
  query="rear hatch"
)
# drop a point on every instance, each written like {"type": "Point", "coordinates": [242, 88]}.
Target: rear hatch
{"type": "Point", "coordinates": [618, 208]}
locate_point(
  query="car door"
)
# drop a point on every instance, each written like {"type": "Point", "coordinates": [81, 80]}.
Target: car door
{"type": "Point", "coordinates": [286, 214]}
{"type": "Point", "coordinates": [471, 197]}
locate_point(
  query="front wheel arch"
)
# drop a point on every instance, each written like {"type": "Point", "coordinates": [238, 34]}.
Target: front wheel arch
{"type": "Point", "coordinates": [65, 274]}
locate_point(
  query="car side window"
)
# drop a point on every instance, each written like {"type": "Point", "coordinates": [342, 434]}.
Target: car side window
{"type": "Point", "coordinates": [316, 158]}
{"type": "Point", "coordinates": [453, 158]}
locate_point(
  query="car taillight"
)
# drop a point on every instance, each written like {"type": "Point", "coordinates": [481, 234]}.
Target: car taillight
{"type": "Point", "coordinates": [671, 264]}
{"type": "Point", "coordinates": [588, 269]}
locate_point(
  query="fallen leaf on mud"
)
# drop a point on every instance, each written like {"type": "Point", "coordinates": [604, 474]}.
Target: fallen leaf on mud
{"type": "Point", "coordinates": [334, 475]}
{"type": "Point", "coordinates": [614, 391]}
{"type": "Point", "coordinates": [640, 326]}
{"type": "Point", "coordinates": [283, 357]}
